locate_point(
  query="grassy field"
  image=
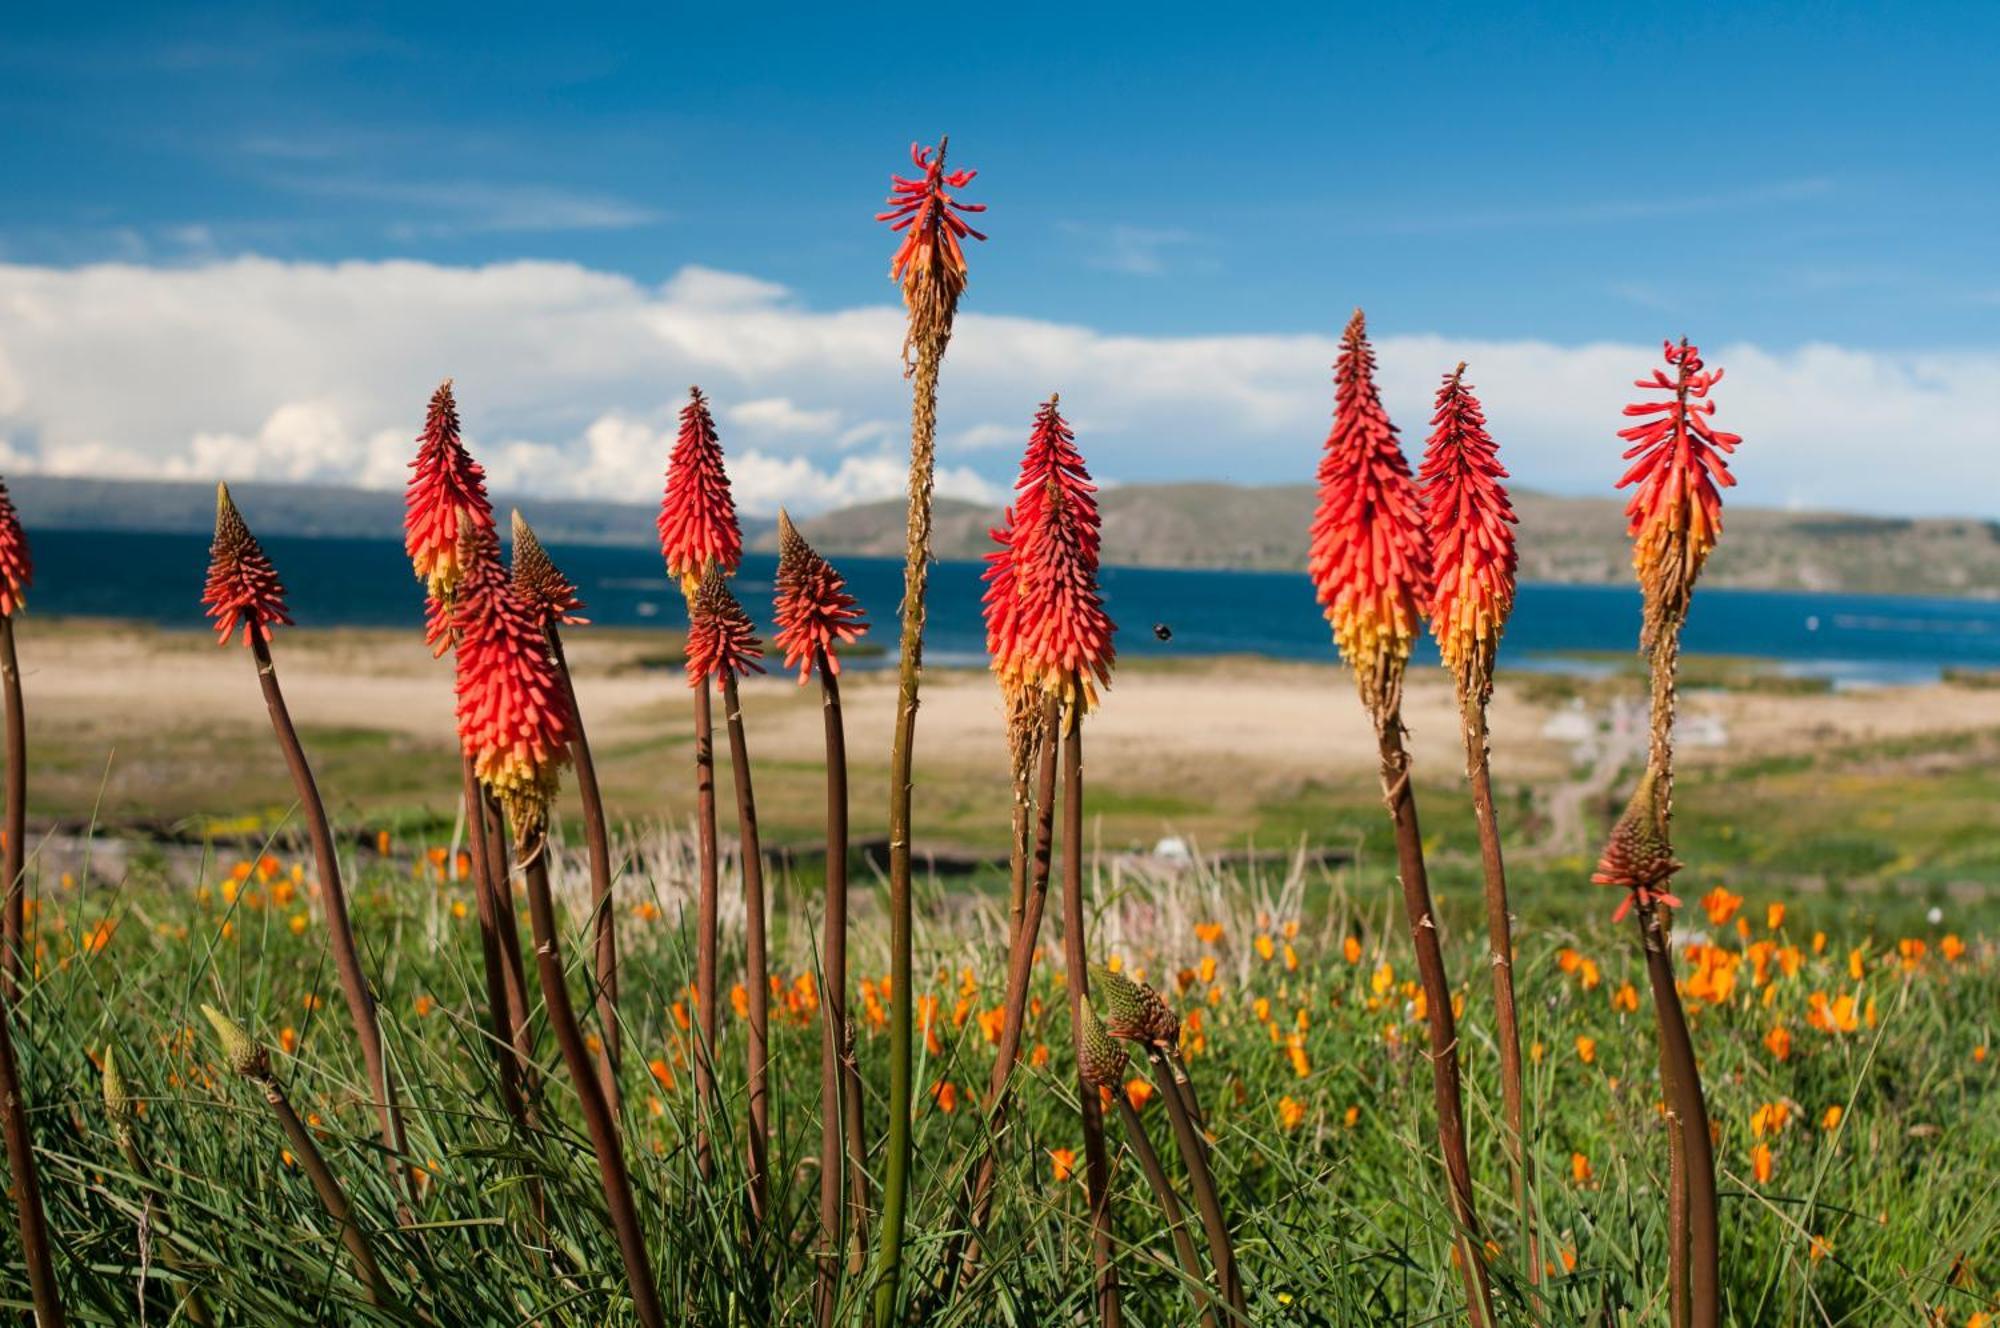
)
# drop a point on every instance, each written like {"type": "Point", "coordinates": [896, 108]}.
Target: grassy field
{"type": "Point", "coordinates": [1857, 1146]}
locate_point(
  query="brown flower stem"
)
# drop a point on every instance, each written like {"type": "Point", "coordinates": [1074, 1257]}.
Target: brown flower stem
{"type": "Point", "coordinates": [835, 1032]}
{"type": "Point", "coordinates": [507, 928]}
{"type": "Point", "coordinates": [340, 931]}
{"type": "Point", "coordinates": [597, 845]}
{"type": "Point", "coordinates": [1677, 1201]}
{"type": "Point", "coordinates": [14, 914]}
{"type": "Point", "coordinates": [1697, 1146]}
{"type": "Point", "coordinates": [331, 1197]}
{"type": "Point", "coordinates": [1170, 1208]}
{"type": "Point", "coordinates": [1201, 1180]}
{"type": "Point", "coordinates": [1020, 976]}
{"type": "Point", "coordinates": [531, 849]}
{"type": "Point", "coordinates": [1422, 920]}
{"type": "Point", "coordinates": [1097, 1165]}
{"type": "Point", "coordinates": [506, 1062]}
{"type": "Point", "coordinates": [902, 758]}
{"type": "Point", "coordinates": [1500, 946]}
{"type": "Point", "coordinates": [27, 1190]}
{"type": "Point", "coordinates": [757, 965]}
{"type": "Point", "coordinates": [706, 924]}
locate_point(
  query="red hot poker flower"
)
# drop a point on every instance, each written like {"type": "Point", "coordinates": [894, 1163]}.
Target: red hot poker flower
{"type": "Point", "coordinates": [243, 588]}
{"type": "Point", "coordinates": [1675, 515]}
{"type": "Point", "coordinates": [17, 569]}
{"type": "Point", "coordinates": [513, 718]}
{"type": "Point", "coordinates": [1054, 634]}
{"type": "Point", "coordinates": [722, 641]}
{"type": "Point", "coordinates": [445, 499]}
{"type": "Point", "coordinates": [930, 262]}
{"type": "Point", "coordinates": [1471, 523]}
{"type": "Point", "coordinates": [1369, 561]}
{"type": "Point", "coordinates": [926, 215]}
{"type": "Point", "coordinates": [697, 514]}
{"type": "Point", "coordinates": [1000, 603]}
{"type": "Point", "coordinates": [540, 583]}
{"type": "Point", "coordinates": [814, 611]}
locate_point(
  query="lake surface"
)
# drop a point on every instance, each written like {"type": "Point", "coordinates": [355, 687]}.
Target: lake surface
{"type": "Point", "coordinates": [367, 583]}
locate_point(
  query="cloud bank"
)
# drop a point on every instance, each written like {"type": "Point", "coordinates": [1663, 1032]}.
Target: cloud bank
{"type": "Point", "coordinates": [570, 379]}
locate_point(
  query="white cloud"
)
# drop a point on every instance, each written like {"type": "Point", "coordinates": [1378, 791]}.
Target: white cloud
{"type": "Point", "coordinates": [570, 380]}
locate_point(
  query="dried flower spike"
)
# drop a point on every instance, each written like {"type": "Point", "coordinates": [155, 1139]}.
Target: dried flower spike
{"type": "Point", "coordinates": [243, 588]}
{"type": "Point", "coordinates": [1369, 561]}
{"type": "Point", "coordinates": [1675, 516]}
{"type": "Point", "coordinates": [1472, 554]}
{"type": "Point", "coordinates": [17, 569]}
{"type": "Point", "coordinates": [543, 588]}
{"type": "Point", "coordinates": [815, 613]}
{"type": "Point", "coordinates": [1046, 627]}
{"type": "Point", "coordinates": [722, 641]}
{"type": "Point", "coordinates": [513, 716]}
{"type": "Point", "coordinates": [697, 521]}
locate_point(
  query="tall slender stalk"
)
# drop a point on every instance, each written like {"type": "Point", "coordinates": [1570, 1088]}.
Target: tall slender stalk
{"type": "Point", "coordinates": [836, 1033]}
{"type": "Point", "coordinates": [1500, 947]}
{"type": "Point", "coordinates": [1201, 1180]}
{"type": "Point", "coordinates": [531, 851]}
{"type": "Point", "coordinates": [549, 593]}
{"type": "Point", "coordinates": [930, 266]}
{"type": "Point", "coordinates": [31, 1217]}
{"type": "Point", "coordinates": [756, 962]}
{"type": "Point", "coordinates": [1097, 1168]}
{"type": "Point", "coordinates": [340, 930]}
{"type": "Point", "coordinates": [707, 923]}
{"type": "Point", "coordinates": [249, 1059]}
{"type": "Point", "coordinates": [506, 1058]}
{"type": "Point", "coordinates": [14, 914]}
{"type": "Point", "coordinates": [1170, 1207]}
{"type": "Point", "coordinates": [1448, 1096]}
{"type": "Point", "coordinates": [1020, 974]}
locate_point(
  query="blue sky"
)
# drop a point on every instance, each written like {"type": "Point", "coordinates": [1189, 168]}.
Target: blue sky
{"type": "Point", "coordinates": [1775, 176]}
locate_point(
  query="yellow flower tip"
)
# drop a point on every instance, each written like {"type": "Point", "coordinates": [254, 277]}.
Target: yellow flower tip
{"type": "Point", "coordinates": [243, 1053]}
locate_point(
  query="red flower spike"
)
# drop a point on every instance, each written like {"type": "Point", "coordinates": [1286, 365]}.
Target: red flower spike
{"type": "Point", "coordinates": [814, 611]}
{"type": "Point", "coordinates": [722, 641]}
{"type": "Point", "coordinates": [513, 717]}
{"type": "Point", "coordinates": [540, 583]}
{"type": "Point", "coordinates": [1638, 856]}
{"type": "Point", "coordinates": [697, 515]}
{"type": "Point", "coordinates": [1369, 561]}
{"type": "Point", "coordinates": [1045, 620]}
{"type": "Point", "coordinates": [445, 498]}
{"type": "Point", "coordinates": [1471, 526]}
{"type": "Point", "coordinates": [1675, 516]}
{"type": "Point", "coordinates": [243, 588]}
{"type": "Point", "coordinates": [17, 569]}
{"type": "Point", "coordinates": [926, 216]}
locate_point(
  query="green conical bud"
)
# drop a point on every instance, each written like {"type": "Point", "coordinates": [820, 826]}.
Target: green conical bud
{"type": "Point", "coordinates": [117, 1104]}
{"type": "Point", "coordinates": [1101, 1060]}
{"type": "Point", "coordinates": [1136, 1012]}
{"type": "Point", "coordinates": [241, 1050]}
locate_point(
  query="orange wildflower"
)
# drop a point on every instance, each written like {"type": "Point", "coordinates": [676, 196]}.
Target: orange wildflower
{"type": "Point", "coordinates": [1291, 1113]}
{"type": "Point", "coordinates": [1586, 1049]}
{"type": "Point", "coordinates": [1062, 1164]}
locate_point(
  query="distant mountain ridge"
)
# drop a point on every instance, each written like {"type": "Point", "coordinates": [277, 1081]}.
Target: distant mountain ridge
{"type": "Point", "coordinates": [1573, 540]}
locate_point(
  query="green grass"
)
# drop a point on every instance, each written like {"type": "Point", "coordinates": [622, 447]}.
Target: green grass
{"type": "Point", "coordinates": [1336, 1223]}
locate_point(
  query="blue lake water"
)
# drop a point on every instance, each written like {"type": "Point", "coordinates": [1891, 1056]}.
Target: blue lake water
{"type": "Point", "coordinates": [367, 583]}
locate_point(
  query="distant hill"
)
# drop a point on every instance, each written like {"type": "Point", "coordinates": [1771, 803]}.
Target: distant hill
{"type": "Point", "coordinates": [1580, 540]}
